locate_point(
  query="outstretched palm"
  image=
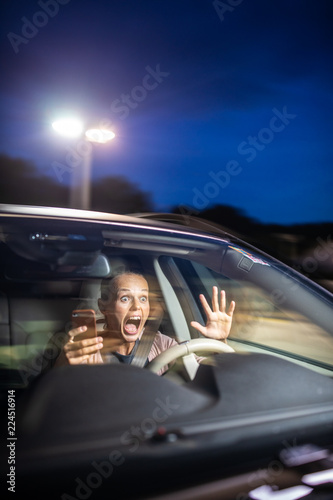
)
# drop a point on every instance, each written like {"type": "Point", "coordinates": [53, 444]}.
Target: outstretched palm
{"type": "Point", "coordinates": [218, 323]}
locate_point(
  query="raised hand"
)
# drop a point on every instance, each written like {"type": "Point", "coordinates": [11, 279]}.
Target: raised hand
{"type": "Point", "coordinates": [218, 323]}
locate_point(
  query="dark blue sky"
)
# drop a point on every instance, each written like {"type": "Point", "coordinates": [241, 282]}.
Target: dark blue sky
{"type": "Point", "coordinates": [209, 107]}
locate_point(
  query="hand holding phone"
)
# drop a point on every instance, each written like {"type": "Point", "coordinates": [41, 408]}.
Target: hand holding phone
{"type": "Point", "coordinates": [84, 317]}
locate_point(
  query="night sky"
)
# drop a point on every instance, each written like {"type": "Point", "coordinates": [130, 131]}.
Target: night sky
{"type": "Point", "coordinates": [212, 102]}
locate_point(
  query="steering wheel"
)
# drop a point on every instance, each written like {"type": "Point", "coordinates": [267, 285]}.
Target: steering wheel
{"type": "Point", "coordinates": [185, 348]}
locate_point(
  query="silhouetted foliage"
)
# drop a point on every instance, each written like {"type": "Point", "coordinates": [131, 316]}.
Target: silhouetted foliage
{"type": "Point", "coordinates": [22, 183]}
{"type": "Point", "coordinates": [306, 247]}
{"type": "Point", "coordinates": [118, 195]}
{"type": "Point", "coordinates": [231, 219]}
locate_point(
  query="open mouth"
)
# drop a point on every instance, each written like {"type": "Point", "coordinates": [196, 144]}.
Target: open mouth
{"type": "Point", "coordinates": [132, 324]}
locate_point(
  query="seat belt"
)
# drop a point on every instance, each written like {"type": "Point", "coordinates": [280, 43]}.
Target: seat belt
{"type": "Point", "coordinates": [148, 336]}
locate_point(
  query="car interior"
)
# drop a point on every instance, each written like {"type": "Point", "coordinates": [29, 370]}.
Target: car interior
{"type": "Point", "coordinates": [237, 402]}
{"type": "Point", "coordinates": [46, 277]}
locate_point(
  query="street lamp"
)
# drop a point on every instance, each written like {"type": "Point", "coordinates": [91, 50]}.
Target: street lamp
{"type": "Point", "coordinates": [100, 135]}
{"type": "Point", "coordinates": [81, 175]}
{"type": "Point", "coordinates": [68, 127]}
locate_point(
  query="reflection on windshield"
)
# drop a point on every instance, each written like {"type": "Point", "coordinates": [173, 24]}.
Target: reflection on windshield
{"type": "Point", "coordinates": [44, 279]}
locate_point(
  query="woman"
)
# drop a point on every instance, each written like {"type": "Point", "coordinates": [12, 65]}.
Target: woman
{"type": "Point", "coordinates": [125, 305]}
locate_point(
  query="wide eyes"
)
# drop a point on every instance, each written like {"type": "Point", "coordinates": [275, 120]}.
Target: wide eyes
{"type": "Point", "coordinates": [125, 299]}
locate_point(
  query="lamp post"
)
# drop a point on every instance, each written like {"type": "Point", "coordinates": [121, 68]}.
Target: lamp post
{"type": "Point", "coordinates": [81, 175]}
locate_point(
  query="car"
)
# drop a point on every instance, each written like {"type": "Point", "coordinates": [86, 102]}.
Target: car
{"type": "Point", "coordinates": [250, 418]}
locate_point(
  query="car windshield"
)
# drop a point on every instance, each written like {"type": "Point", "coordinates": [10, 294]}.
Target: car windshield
{"type": "Point", "coordinates": [51, 267]}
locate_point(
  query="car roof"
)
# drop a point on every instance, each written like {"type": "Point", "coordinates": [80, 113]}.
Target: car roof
{"type": "Point", "coordinates": [184, 223]}
{"type": "Point", "coordinates": [176, 223]}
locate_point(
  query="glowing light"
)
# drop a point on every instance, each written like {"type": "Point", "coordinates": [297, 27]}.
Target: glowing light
{"type": "Point", "coordinates": [321, 477]}
{"type": "Point", "coordinates": [69, 127]}
{"type": "Point", "coordinates": [99, 135]}
{"type": "Point", "coordinates": [266, 492]}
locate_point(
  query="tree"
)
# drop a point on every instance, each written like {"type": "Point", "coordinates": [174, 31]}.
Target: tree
{"type": "Point", "coordinates": [229, 218]}
{"type": "Point", "coordinates": [22, 183]}
{"type": "Point", "coordinates": [119, 195]}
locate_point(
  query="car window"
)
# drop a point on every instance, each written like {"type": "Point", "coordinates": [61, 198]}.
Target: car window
{"type": "Point", "coordinates": [257, 318]}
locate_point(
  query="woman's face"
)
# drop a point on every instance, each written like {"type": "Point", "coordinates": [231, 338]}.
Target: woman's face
{"type": "Point", "coordinates": [127, 311]}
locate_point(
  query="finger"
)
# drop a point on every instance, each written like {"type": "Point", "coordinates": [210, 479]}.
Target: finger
{"type": "Point", "coordinates": [231, 308]}
{"type": "Point", "coordinates": [222, 309]}
{"type": "Point", "coordinates": [89, 342]}
{"type": "Point", "coordinates": [205, 305]}
{"type": "Point", "coordinates": [76, 331]}
{"type": "Point", "coordinates": [198, 327]}
{"type": "Point", "coordinates": [215, 299]}
{"type": "Point", "coordinates": [94, 343]}
{"type": "Point", "coordinates": [79, 352]}
{"type": "Point", "coordinates": [73, 344]}
{"type": "Point", "coordinates": [77, 361]}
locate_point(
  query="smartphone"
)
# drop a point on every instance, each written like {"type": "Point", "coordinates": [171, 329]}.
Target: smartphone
{"type": "Point", "coordinates": [84, 317]}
